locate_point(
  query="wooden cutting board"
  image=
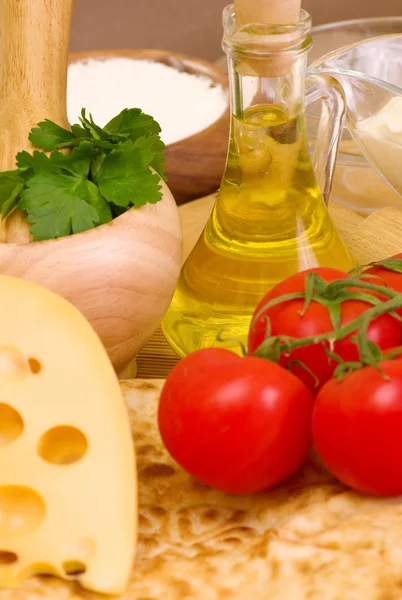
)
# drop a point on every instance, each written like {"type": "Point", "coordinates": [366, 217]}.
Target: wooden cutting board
{"type": "Point", "coordinates": [370, 238]}
{"type": "Point", "coordinates": [306, 539]}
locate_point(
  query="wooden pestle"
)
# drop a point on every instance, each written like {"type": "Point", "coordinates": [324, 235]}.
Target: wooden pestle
{"type": "Point", "coordinates": [34, 40]}
{"type": "Point", "coordinates": [266, 12]}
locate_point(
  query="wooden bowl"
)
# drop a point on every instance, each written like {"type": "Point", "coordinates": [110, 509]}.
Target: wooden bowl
{"type": "Point", "coordinates": [121, 275]}
{"type": "Point", "coordinates": [194, 165]}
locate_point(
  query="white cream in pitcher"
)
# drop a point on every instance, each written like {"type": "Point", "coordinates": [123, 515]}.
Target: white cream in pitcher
{"type": "Point", "coordinates": [381, 135]}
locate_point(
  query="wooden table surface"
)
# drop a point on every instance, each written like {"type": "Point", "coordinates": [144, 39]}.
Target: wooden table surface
{"type": "Point", "coordinates": [369, 238]}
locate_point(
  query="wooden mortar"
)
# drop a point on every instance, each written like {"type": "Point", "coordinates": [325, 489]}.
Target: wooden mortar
{"type": "Point", "coordinates": [121, 275]}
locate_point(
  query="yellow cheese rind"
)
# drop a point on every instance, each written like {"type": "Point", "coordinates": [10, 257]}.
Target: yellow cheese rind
{"type": "Point", "coordinates": [68, 496]}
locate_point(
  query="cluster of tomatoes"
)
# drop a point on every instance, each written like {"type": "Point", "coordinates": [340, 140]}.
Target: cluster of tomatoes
{"type": "Point", "coordinates": [242, 424]}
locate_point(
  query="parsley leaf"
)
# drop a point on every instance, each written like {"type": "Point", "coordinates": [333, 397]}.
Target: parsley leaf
{"type": "Point", "coordinates": [76, 163]}
{"type": "Point", "coordinates": [80, 132]}
{"type": "Point", "coordinates": [11, 186]}
{"type": "Point", "coordinates": [30, 163]}
{"type": "Point", "coordinates": [48, 135]}
{"type": "Point", "coordinates": [125, 179]}
{"type": "Point", "coordinates": [58, 205]}
{"type": "Point", "coordinates": [132, 123]}
{"type": "Point", "coordinates": [96, 132]}
{"type": "Point", "coordinates": [154, 143]}
{"type": "Point", "coordinates": [25, 160]}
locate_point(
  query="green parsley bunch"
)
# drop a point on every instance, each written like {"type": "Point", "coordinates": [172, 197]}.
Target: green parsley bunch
{"type": "Point", "coordinates": [105, 172]}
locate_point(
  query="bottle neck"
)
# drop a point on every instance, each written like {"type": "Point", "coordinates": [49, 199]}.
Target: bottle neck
{"type": "Point", "coordinates": [249, 91]}
{"type": "Point", "coordinates": [267, 63]}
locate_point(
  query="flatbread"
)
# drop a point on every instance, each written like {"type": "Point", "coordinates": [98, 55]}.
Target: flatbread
{"type": "Point", "coordinates": [307, 539]}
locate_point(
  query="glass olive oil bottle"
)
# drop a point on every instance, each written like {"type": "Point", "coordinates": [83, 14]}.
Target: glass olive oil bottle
{"type": "Point", "coordinates": [269, 220]}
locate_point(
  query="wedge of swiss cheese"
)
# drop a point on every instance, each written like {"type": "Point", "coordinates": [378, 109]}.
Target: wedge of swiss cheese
{"type": "Point", "coordinates": [68, 497]}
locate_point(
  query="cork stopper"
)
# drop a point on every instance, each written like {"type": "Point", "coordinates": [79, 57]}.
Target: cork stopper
{"type": "Point", "coordinates": [267, 12]}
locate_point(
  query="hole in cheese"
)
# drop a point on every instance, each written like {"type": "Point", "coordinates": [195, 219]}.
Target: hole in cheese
{"type": "Point", "coordinates": [73, 567]}
{"type": "Point", "coordinates": [7, 558]}
{"type": "Point", "coordinates": [40, 568]}
{"type": "Point", "coordinates": [62, 445]}
{"type": "Point", "coordinates": [34, 365]}
{"type": "Point", "coordinates": [11, 424]}
{"type": "Point", "coordinates": [22, 510]}
{"type": "Point", "coordinates": [13, 365]}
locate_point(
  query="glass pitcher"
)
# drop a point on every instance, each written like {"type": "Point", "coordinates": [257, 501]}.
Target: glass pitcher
{"type": "Point", "coordinates": [370, 74]}
{"type": "Point", "coordinates": [356, 184]}
{"type": "Point", "coordinates": [270, 218]}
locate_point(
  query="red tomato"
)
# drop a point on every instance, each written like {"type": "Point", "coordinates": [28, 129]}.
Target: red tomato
{"type": "Point", "coordinates": [291, 285]}
{"type": "Point", "coordinates": [357, 429]}
{"type": "Point", "coordinates": [237, 424]}
{"type": "Point", "coordinates": [391, 279]}
{"type": "Point", "coordinates": [286, 319]}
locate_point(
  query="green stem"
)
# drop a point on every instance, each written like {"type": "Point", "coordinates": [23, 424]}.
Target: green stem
{"type": "Point", "coordinates": [361, 322]}
{"type": "Point", "coordinates": [357, 283]}
{"type": "Point", "coordinates": [393, 353]}
{"type": "Point", "coordinates": [332, 290]}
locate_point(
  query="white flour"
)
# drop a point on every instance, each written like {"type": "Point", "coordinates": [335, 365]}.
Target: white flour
{"type": "Point", "coordinates": [381, 135]}
{"type": "Point", "coordinates": [182, 103]}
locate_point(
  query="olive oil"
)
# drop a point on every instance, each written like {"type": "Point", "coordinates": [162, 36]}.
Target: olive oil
{"type": "Point", "coordinates": [269, 221]}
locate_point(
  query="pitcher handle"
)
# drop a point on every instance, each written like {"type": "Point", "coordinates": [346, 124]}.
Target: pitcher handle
{"type": "Point", "coordinates": [333, 112]}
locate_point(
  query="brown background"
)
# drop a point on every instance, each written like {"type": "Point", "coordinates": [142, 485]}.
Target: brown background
{"type": "Point", "coordinates": [190, 26]}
